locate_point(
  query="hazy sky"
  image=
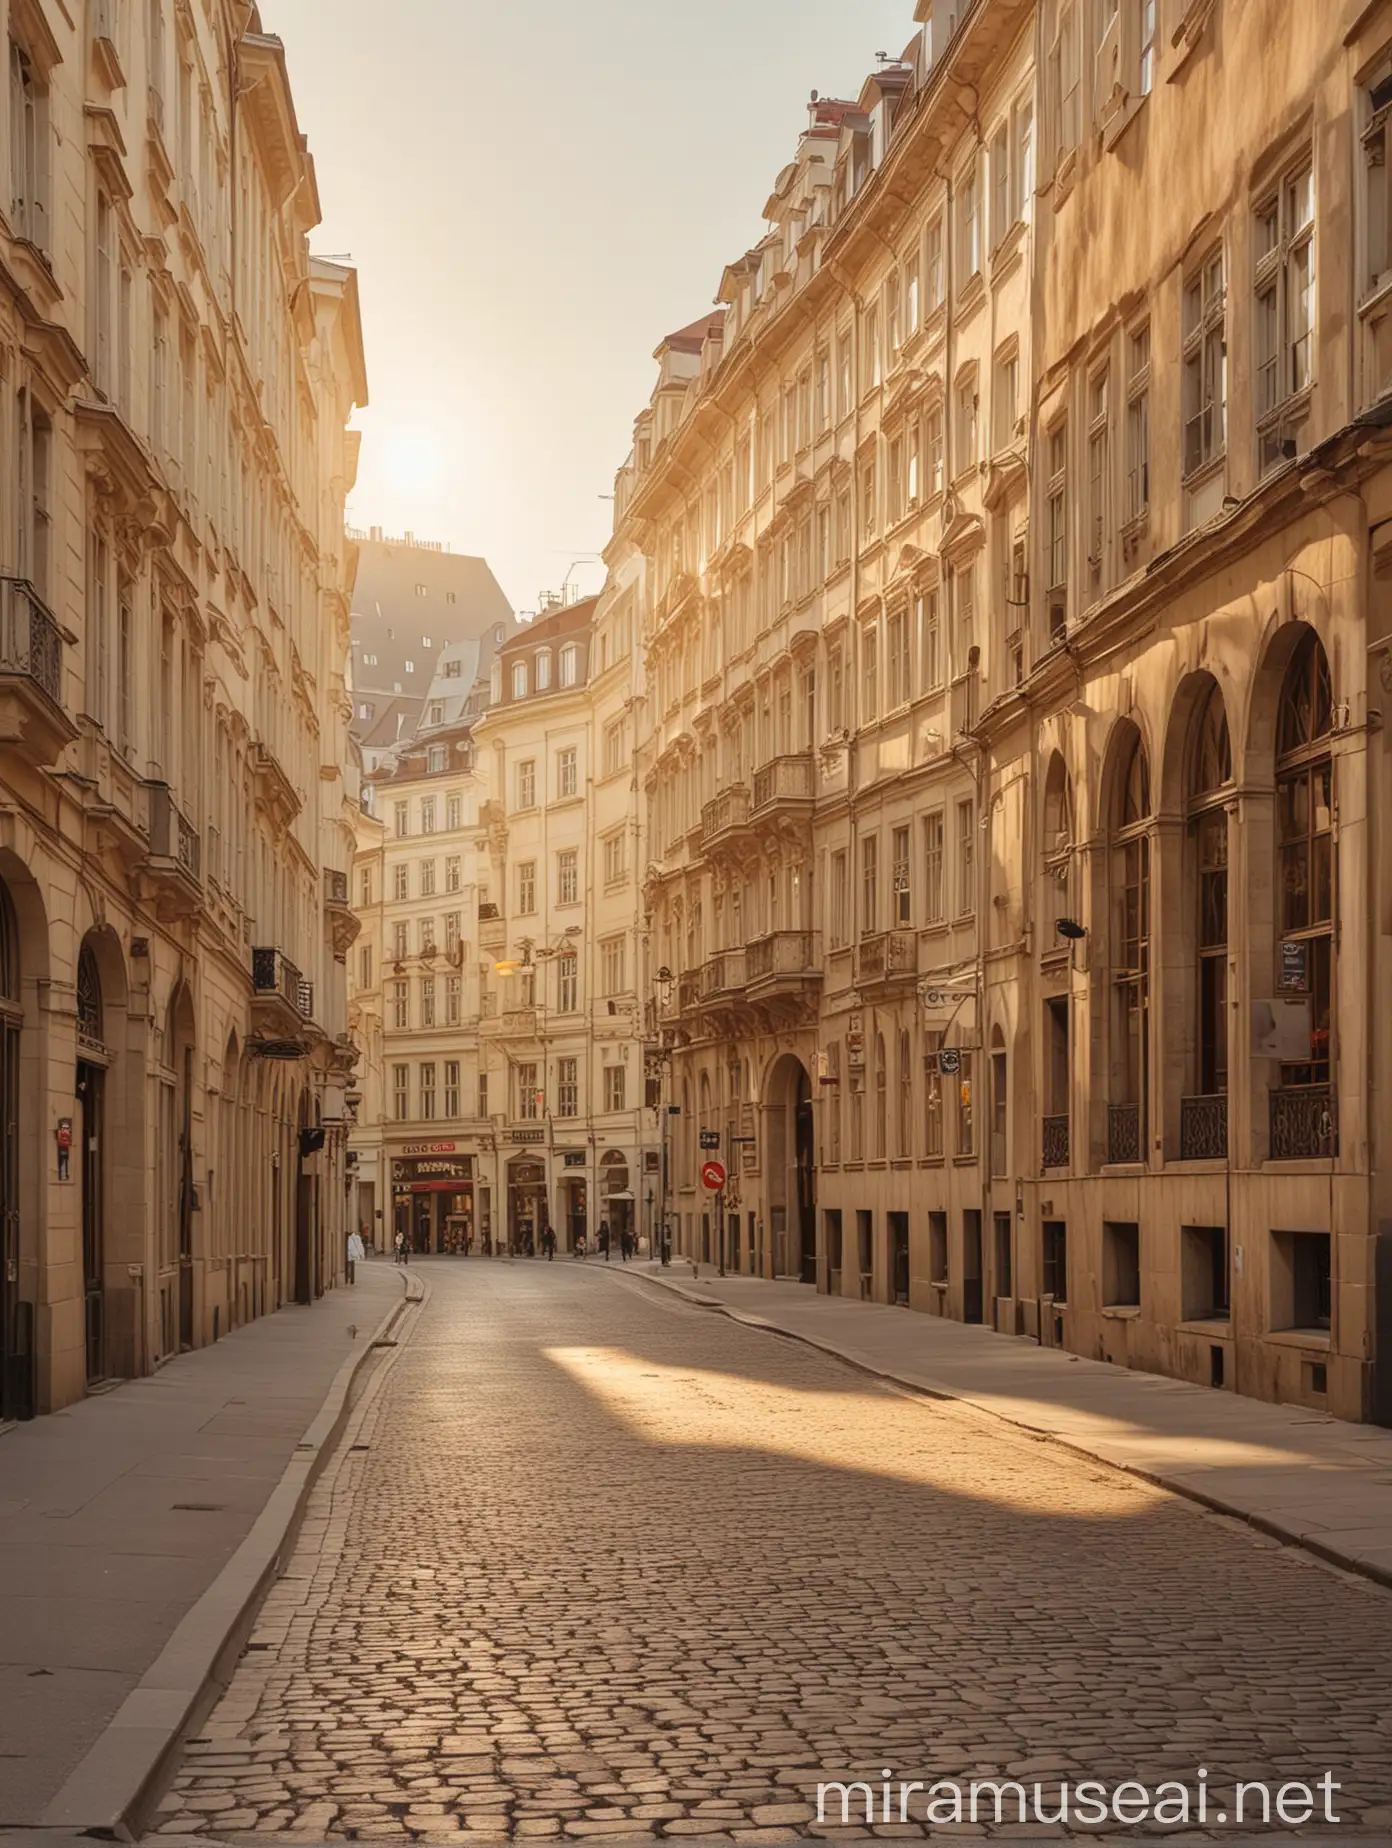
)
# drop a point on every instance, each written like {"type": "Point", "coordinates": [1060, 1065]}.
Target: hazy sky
{"type": "Point", "coordinates": [535, 192]}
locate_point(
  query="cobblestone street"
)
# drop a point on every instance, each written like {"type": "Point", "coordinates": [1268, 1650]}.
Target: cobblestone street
{"type": "Point", "coordinates": [594, 1562]}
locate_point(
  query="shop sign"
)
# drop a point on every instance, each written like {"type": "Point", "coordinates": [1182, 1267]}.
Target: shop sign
{"type": "Point", "coordinates": [573, 1158]}
{"type": "Point", "coordinates": [526, 1135]}
{"type": "Point", "coordinates": [429, 1148]}
{"type": "Point", "coordinates": [434, 1168]}
{"type": "Point", "coordinates": [1295, 977]}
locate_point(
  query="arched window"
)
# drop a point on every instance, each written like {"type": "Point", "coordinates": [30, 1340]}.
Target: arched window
{"type": "Point", "coordinates": [904, 1113]}
{"type": "Point", "coordinates": [89, 999]}
{"type": "Point", "coordinates": [1130, 876]}
{"type": "Point", "coordinates": [1210, 774]}
{"type": "Point", "coordinates": [1305, 850]}
{"type": "Point", "coordinates": [570, 665]}
{"type": "Point", "coordinates": [881, 1099]}
{"type": "Point", "coordinates": [543, 669]}
{"type": "Point", "coordinates": [519, 680]}
{"type": "Point", "coordinates": [1058, 848]}
{"type": "Point", "coordinates": [9, 948]}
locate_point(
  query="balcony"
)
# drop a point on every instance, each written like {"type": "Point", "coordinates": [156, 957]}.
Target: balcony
{"type": "Point", "coordinates": [174, 869]}
{"type": "Point", "coordinates": [1304, 1123]}
{"type": "Point", "coordinates": [688, 993]}
{"type": "Point", "coordinates": [492, 930]}
{"type": "Point", "coordinates": [1124, 1133]}
{"type": "Point", "coordinates": [272, 786]}
{"type": "Point", "coordinates": [784, 785]}
{"type": "Point", "coordinates": [32, 719]}
{"type": "Point", "coordinates": [887, 960]}
{"type": "Point", "coordinates": [1055, 1141]}
{"type": "Point", "coordinates": [725, 819]}
{"type": "Point", "coordinates": [723, 975]}
{"type": "Point", "coordinates": [278, 997]}
{"type": "Point", "coordinates": [513, 1023]}
{"type": "Point", "coordinates": [786, 962]}
{"type": "Point", "coordinates": [1203, 1128]}
{"type": "Point", "coordinates": [344, 924]}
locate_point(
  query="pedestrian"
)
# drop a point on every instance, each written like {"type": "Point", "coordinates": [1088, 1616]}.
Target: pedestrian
{"type": "Point", "coordinates": [548, 1241]}
{"type": "Point", "coordinates": [625, 1245]}
{"type": "Point", "coordinates": [400, 1245]}
{"type": "Point", "coordinates": [604, 1239]}
{"type": "Point", "coordinates": [487, 1242]}
{"type": "Point", "coordinates": [580, 1244]}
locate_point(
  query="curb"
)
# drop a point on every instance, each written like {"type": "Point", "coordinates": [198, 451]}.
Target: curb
{"type": "Point", "coordinates": [925, 1389]}
{"type": "Point", "coordinates": [105, 1792]}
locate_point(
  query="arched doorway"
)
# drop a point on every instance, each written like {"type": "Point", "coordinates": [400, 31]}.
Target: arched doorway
{"type": "Point", "coordinates": [176, 1194]}
{"type": "Point", "coordinates": [88, 1158]}
{"type": "Point", "coordinates": [616, 1196]}
{"type": "Point", "coordinates": [16, 1339]}
{"type": "Point", "coordinates": [526, 1204]}
{"type": "Point", "coordinates": [792, 1169]}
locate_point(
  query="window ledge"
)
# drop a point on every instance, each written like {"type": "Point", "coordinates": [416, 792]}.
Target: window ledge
{"type": "Point", "coordinates": [1205, 1325]}
{"type": "Point", "coordinates": [1121, 1312]}
{"type": "Point", "coordinates": [1006, 253]}
{"type": "Point", "coordinates": [1064, 175]}
{"type": "Point", "coordinates": [1121, 1170]}
{"type": "Point", "coordinates": [971, 295]}
{"type": "Point", "coordinates": [1317, 1340]}
{"type": "Point", "coordinates": [964, 1161]}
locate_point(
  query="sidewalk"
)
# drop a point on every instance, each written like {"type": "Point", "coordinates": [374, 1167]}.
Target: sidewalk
{"type": "Point", "coordinates": [117, 1513]}
{"type": "Point", "coordinates": [1306, 1478]}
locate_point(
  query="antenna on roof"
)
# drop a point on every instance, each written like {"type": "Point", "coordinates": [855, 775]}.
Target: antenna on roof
{"type": "Point", "coordinates": [884, 57]}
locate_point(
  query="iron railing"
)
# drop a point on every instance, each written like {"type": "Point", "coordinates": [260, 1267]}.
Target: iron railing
{"type": "Point", "coordinates": [172, 835]}
{"type": "Point", "coordinates": [1203, 1128]}
{"type": "Point", "coordinates": [1124, 1133]}
{"type": "Point", "coordinates": [273, 973]}
{"type": "Point", "coordinates": [1055, 1141]}
{"type": "Point", "coordinates": [30, 640]}
{"type": "Point", "coordinates": [1304, 1122]}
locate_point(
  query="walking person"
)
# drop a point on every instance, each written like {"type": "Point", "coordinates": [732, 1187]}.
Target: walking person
{"type": "Point", "coordinates": [625, 1245]}
{"type": "Point", "coordinates": [548, 1241]}
{"type": "Point", "coordinates": [604, 1239]}
{"type": "Point", "coordinates": [400, 1245]}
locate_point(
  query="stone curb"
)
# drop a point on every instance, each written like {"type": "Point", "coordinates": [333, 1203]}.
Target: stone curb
{"type": "Point", "coordinates": [927, 1388]}
{"type": "Point", "coordinates": [104, 1794]}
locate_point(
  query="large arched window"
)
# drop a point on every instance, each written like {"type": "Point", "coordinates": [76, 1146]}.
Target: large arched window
{"type": "Point", "coordinates": [881, 1099]}
{"type": "Point", "coordinates": [904, 1111]}
{"type": "Point", "coordinates": [1130, 877]}
{"type": "Point", "coordinates": [1204, 1127]}
{"type": "Point", "coordinates": [1058, 849]}
{"type": "Point", "coordinates": [1305, 853]}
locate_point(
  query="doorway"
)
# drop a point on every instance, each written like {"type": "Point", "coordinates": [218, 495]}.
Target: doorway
{"type": "Point", "coordinates": [972, 1290]}
{"type": "Point", "coordinates": [90, 1080]}
{"type": "Point", "coordinates": [899, 1255]}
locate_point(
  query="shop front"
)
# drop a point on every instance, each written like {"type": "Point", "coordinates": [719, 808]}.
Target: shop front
{"type": "Point", "coordinates": [526, 1204]}
{"type": "Point", "coordinates": [574, 1201]}
{"type": "Point", "coordinates": [433, 1199]}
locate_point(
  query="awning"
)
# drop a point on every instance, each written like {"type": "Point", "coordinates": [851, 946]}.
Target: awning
{"type": "Point", "coordinates": [624, 1193]}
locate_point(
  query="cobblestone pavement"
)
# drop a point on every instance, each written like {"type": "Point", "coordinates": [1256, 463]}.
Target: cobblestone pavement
{"type": "Point", "coordinates": [597, 1563]}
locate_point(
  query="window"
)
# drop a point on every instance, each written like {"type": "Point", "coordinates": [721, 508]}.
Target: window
{"type": "Point", "coordinates": [869, 507]}
{"type": "Point", "coordinates": [1205, 1290]}
{"type": "Point", "coordinates": [966, 424]}
{"type": "Point", "coordinates": [937, 1248]}
{"type": "Point", "coordinates": [529, 1097]}
{"type": "Point", "coordinates": [1023, 173]}
{"type": "Point", "coordinates": [410, 667]}
{"type": "Point", "coordinates": [1285, 307]}
{"type": "Point", "coordinates": [930, 671]}
{"type": "Point", "coordinates": [840, 921]}
{"type": "Point", "coordinates": [1305, 849]}
{"type": "Point", "coordinates": [567, 877]}
{"type": "Point", "coordinates": [567, 983]}
{"type": "Point", "coordinates": [933, 868]}
{"type": "Point", "coordinates": [613, 749]}
{"type": "Point", "coordinates": [1099, 470]}
{"type": "Point", "coordinates": [1138, 421]}
{"type": "Point", "coordinates": [402, 817]}
{"type": "Point", "coordinates": [452, 923]}
{"type": "Point", "coordinates": [614, 1086]}
{"type": "Point", "coordinates": [1130, 863]}
{"type": "Point", "coordinates": [483, 1095]}
{"type": "Point", "coordinates": [427, 936]}
{"type": "Point", "coordinates": [615, 860]}
{"type": "Point", "coordinates": [1065, 77]}
{"type": "Point", "coordinates": [968, 226]}
{"type": "Point", "coordinates": [567, 1088]}
{"type": "Point", "coordinates": [427, 879]}
{"type": "Point", "coordinates": [869, 673]}
{"type": "Point", "coordinates": [897, 636]}
{"type": "Point", "coordinates": [454, 991]}
{"type": "Point", "coordinates": [966, 858]}
{"type": "Point", "coordinates": [881, 1100]}
{"type": "Point", "coordinates": [902, 886]}
{"type": "Point", "coordinates": [365, 966]}
{"type": "Point", "coordinates": [427, 814]}
{"type": "Point", "coordinates": [932, 1105]}
{"type": "Point", "coordinates": [526, 889]}
{"type": "Point", "coordinates": [869, 885]}
{"type": "Point", "coordinates": [567, 773]}
{"type": "Point", "coordinates": [1056, 536]}
{"type": "Point", "coordinates": [28, 149]}
{"type": "Point", "coordinates": [454, 874]}
{"type": "Point", "coordinates": [454, 812]}
{"type": "Point", "coordinates": [611, 965]}
{"type": "Point", "coordinates": [401, 1092]}
{"type": "Point", "coordinates": [519, 680]}
{"type": "Point", "coordinates": [1055, 1259]}
{"type": "Point", "coordinates": [933, 456]}
{"type": "Point", "coordinates": [570, 665]}
{"type": "Point", "coordinates": [1205, 341]}
{"type": "Point", "coordinates": [400, 947]}
{"type": "Point", "coordinates": [1301, 1292]}
{"type": "Point", "coordinates": [543, 669]}
{"type": "Point", "coordinates": [526, 783]}
{"type": "Point", "coordinates": [451, 1088]}
{"type": "Point", "coordinates": [1146, 35]}
{"type": "Point", "coordinates": [427, 1090]}
{"type": "Point", "coordinates": [933, 279]}
{"type": "Point", "coordinates": [966, 1108]}
{"type": "Point", "coordinates": [1210, 774]}
{"type": "Point", "coordinates": [962, 585]}
{"type": "Point", "coordinates": [1007, 397]}
{"type": "Point", "coordinates": [1002, 214]}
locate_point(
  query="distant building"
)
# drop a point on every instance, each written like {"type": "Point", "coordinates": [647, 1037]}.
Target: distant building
{"type": "Point", "coordinates": [413, 601]}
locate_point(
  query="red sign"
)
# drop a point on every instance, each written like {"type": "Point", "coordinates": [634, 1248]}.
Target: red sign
{"type": "Point", "coordinates": [429, 1148]}
{"type": "Point", "coordinates": [712, 1176]}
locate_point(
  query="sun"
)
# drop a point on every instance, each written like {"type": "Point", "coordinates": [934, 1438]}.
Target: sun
{"type": "Point", "coordinates": [411, 460]}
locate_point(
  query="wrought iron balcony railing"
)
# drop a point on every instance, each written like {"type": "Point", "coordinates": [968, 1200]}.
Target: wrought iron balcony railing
{"type": "Point", "coordinates": [30, 641]}
{"type": "Point", "coordinates": [1055, 1141]}
{"type": "Point", "coordinates": [1124, 1133]}
{"type": "Point", "coordinates": [173, 837]}
{"type": "Point", "coordinates": [1304, 1122]}
{"type": "Point", "coordinates": [1203, 1128]}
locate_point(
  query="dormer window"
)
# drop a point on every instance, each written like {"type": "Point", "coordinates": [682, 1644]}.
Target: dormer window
{"type": "Point", "coordinates": [570, 665]}
{"type": "Point", "coordinates": [410, 667]}
{"type": "Point", "coordinates": [519, 680]}
{"type": "Point", "coordinates": [543, 669]}
{"type": "Point", "coordinates": [425, 641]}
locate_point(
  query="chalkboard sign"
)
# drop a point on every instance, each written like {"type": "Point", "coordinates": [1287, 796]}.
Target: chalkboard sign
{"type": "Point", "coordinates": [1295, 967]}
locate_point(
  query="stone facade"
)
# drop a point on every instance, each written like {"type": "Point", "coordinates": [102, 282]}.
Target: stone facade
{"type": "Point", "coordinates": [1007, 554]}
{"type": "Point", "coordinates": [176, 790]}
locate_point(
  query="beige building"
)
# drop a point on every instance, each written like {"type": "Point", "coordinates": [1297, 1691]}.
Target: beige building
{"type": "Point", "coordinates": [494, 996]}
{"type": "Point", "coordinates": [176, 795]}
{"type": "Point", "coordinates": [1006, 553]}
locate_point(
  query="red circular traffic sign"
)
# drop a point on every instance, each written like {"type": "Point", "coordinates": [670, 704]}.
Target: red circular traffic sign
{"type": "Point", "coordinates": [712, 1176]}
